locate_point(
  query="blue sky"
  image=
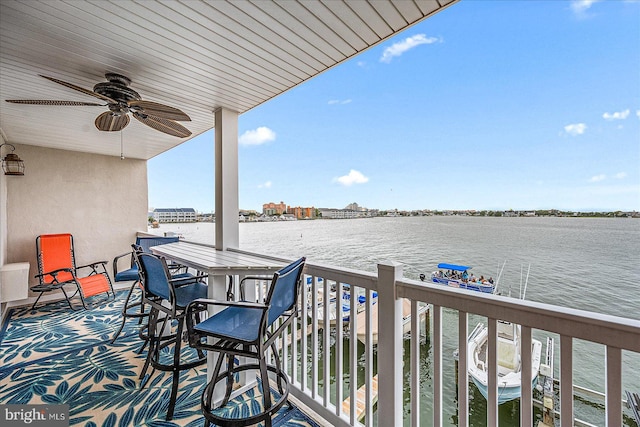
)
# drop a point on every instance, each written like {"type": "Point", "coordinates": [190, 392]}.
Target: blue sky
{"type": "Point", "coordinates": [486, 105]}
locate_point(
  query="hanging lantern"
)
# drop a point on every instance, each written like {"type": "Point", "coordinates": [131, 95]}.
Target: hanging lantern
{"type": "Point", "coordinates": [12, 164]}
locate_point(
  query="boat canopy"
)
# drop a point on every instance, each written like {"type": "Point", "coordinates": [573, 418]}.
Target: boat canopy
{"type": "Point", "coordinates": [454, 267]}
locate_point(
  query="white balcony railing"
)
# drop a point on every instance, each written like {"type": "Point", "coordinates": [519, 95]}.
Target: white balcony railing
{"type": "Point", "coordinates": [330, 381]}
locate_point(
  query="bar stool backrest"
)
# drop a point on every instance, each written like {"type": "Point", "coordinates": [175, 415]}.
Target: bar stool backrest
{"type": "Point", "coordinates": [283, 293]}
{"type": "Point", "coordinates": [155, 275]}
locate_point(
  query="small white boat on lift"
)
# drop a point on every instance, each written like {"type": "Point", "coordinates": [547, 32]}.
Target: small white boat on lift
{"type": "Point", "coordinates": [509, 363]}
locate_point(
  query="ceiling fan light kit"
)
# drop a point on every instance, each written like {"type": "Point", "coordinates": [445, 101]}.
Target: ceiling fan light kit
{"type": "Point", "coordinates": [122, 100]}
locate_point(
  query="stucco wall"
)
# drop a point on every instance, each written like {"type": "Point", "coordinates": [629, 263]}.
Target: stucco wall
{"type": "Point", "coordinates": [101, 200]}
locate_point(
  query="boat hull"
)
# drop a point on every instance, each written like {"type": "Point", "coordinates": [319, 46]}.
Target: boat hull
{"type": "Point", "coordinates": [473, 286]}
{"type": "Point", "coordinates": [505, 394]}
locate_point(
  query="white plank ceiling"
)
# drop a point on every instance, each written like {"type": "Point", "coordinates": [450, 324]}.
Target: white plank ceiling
{"type": "Point", "coordinates": [194, 55]}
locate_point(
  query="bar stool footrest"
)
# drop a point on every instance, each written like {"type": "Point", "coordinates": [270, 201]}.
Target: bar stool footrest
{"type": "Point", "coordinates": [216, 415]}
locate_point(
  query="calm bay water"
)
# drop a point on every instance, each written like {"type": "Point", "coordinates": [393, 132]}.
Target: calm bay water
{"type": "Point", "coordinates": [585, 263]}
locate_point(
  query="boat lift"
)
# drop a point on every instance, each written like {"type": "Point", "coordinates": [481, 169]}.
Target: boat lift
{"type": "Point", "coordinates": [546, 372]}
{"type": "Point", "coordinates": [633, 401]}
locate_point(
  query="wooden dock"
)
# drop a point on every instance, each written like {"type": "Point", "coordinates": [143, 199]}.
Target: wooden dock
{"type": "Point", "coordinates": [361, 399]}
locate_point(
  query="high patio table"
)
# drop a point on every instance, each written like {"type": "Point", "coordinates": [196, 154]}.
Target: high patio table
{"type": "Point", "coordinates": [208, 259]}
{"type": "Point", "coordinates": [217, 265]}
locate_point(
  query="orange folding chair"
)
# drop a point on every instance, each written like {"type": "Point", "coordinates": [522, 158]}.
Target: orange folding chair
{"type": "Point", "coordinates": [57, 268]}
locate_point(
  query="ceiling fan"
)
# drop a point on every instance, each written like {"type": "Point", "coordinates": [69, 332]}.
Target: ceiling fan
{"type": "Point", "coordinates": [121, 100]}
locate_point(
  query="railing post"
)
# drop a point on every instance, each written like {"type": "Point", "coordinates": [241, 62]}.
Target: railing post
{"type": "Point", "coordinates": [389, 346]}
{"type": "Point", "coordinates": [613, 374]}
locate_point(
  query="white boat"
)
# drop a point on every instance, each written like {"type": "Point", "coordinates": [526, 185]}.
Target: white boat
{"type": "Point", "coordinates": [457, 276]}
{"type": "Point", "coordinates": [509, 363]}
{"type": "Point", "coordinates": [406, 320]}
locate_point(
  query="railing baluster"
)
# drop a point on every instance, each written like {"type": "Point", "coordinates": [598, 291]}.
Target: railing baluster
{"type": "Point", "coordinates": [436, 338]}
{"type": "Point", "coordinates": [566, 380]}
{"type": "Point", "coordinates": [326, 337]}
{"type": "Point", "coordinates": [492, 373]}
{"type": "Point", "coordinates": [353, 358]}
{"type": "Point", "coordinates": [614, 386]}
{"type": "Point", "coordinates": [284, 347]}
{"type": "Point", "coordinates": [526, 384]}
{"type": "Point", "coordinates": [293, 343]}
{"type": "Point", "coordinates": [415, 364]}
{"type": "Point", "coordinates": [463, 369]}
{"type": "Point", "coordinates": [339, 371]}
{"type": "Point", "coordinates": [368, 360]}
{"type": "Point", "coordinates": [303, 336]}
{"type": "Point", "coordinates": [314, 338]}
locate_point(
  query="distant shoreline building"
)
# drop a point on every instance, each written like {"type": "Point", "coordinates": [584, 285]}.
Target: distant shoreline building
{"type": "Point", "coordinates": [302, 213]}
{"type": "Point", "coordinates": [271, 208]}
{"type": "Point", "coordinates": [164, 215]}
{"type": "Point", "coordinates": [352, 210]}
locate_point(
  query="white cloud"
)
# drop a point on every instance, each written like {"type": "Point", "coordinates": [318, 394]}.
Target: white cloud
{"type": "Point", "coordinates": [339, 101]}
{"type": "Point", "coordinates": [354, 177]}
{"type": "Point", "coordinates": [401, 47]}
{"type": "Point", "coordinates": [265, 185]}
{"type": "Point", "coordinates": [598, 178]}
{"type": "Point", "coordinates": [638, 113]}
{"type": "Point", "coordinates": [580, 7]}
{"type": "Point", "coordinates": [257, 136]}
{"type": "Point", "coordinates": [575, 129]}
{"type": "Point", "coordinates": [620, 175]}
{"type": "Point", "coordinates": [619, 115]}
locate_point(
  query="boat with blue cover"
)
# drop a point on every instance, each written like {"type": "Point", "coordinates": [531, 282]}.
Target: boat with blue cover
{"type": "Point", "coordinates": [337, 299]}
{"type": "Point", "coordinates": [457, 276]}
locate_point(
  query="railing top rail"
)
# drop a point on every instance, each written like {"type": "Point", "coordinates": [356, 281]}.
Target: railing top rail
{"type": "Point", "coordinates": [360, 278]}
{"type": "Point", "coordinates": [605, 329]}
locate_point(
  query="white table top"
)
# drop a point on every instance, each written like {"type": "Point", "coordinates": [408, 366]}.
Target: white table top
{"type": "Point", "coordinates": [208, 259]}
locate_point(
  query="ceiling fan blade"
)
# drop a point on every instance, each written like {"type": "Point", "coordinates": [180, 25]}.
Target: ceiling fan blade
{"type": "Point", "coordinates": [80, 89]}
{"type": "Point", "coordinates": [158, 110]}
{"type": "Point", "coordinates": [163, 125]}
{"type": "Point", "coordinates": [110, 122]}
{"type": "Point", "coordinates": [52, 102]}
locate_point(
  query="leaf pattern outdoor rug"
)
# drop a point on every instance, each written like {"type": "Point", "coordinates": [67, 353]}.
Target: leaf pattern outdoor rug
{"type": "Point", "coordinates": [54, 355]}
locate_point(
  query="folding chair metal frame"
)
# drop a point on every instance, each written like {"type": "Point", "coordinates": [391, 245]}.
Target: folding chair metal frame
{"type": "Point", "coordinates": [94, 283]}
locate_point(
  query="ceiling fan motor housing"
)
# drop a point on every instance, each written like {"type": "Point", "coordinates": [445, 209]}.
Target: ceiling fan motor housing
{"type": "Point", "coordinates": [117, 88]}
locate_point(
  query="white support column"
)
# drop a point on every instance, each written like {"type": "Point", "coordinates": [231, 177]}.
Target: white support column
{"type": "Point", "coordinates": [226, 209]}
{"type": "Point", "coordinates": [226, 182]}
{"type": "Point", "coordinates": [389, 346]}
